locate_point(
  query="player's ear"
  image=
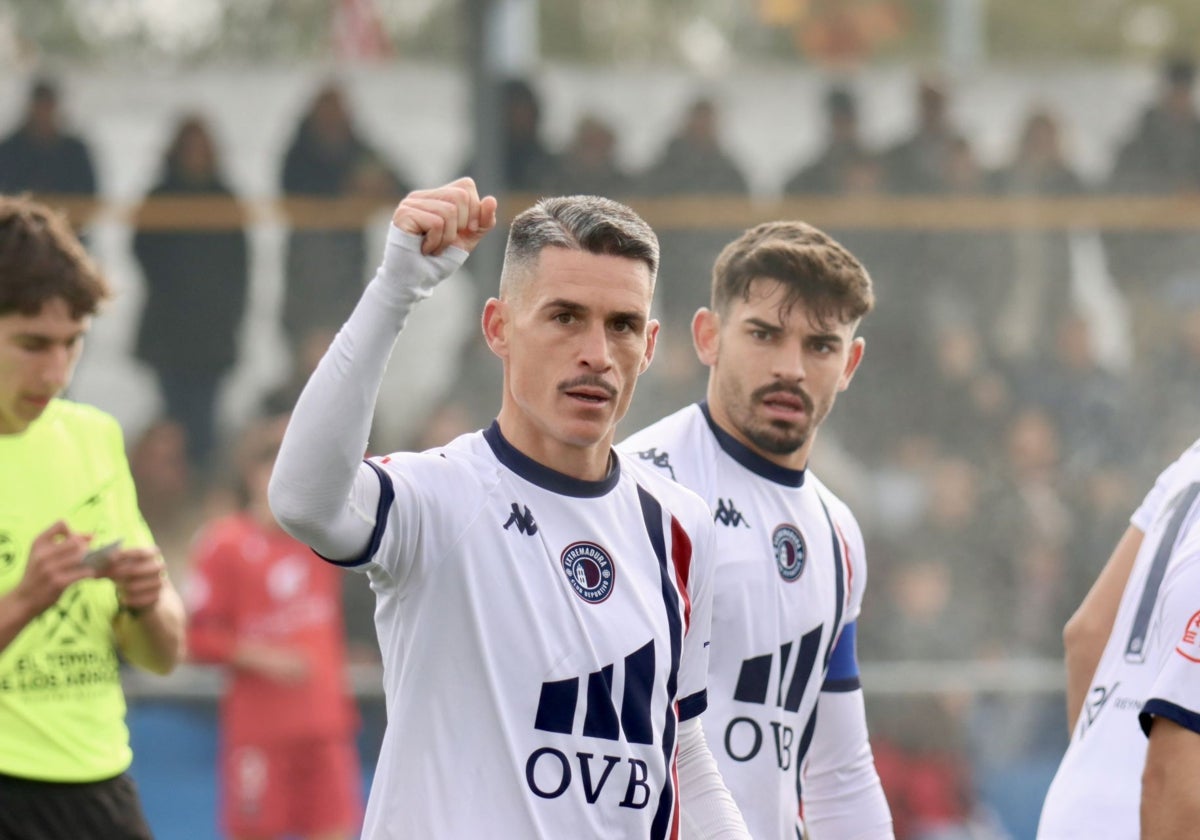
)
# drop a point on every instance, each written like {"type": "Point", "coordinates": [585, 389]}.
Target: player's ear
{"type": "Point", "coordinates": [706, 335]}
{"type": "Point", "coordinates": [857, 347]}
{"type": "Point", "coordinates": [495, 326]}
{"type": "Point", "coordinates": [651, 343]}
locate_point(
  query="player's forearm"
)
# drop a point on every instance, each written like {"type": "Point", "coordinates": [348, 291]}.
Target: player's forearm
{"type": "Point", "coordinates": [15, 615]}
{"type": "Point", "coordinates": [325, 441]}
{"type": "Point", "coordinates": [848, 804]}
{"type": "Point", "coordinates": [843, 797]}
{"type": "Point", "coordinates": [706, 808]}
{"type": "Point", "coordinates": [154, 638]}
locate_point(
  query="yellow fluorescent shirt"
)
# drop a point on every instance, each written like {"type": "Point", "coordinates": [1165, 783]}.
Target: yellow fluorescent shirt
{"type": "Point", "coordinates": [62, 711]}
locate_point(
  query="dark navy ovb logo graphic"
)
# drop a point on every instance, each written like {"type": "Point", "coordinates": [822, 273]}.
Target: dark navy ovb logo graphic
{"type": "Point", "coordinates": [790, 552]}
{"type": "Point", "coordinates": [590, 571]}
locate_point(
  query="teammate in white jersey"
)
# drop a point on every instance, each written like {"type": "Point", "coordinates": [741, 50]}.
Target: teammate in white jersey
{"type": "Point", "coordinates": [780, 343]}
{"type": "Point", "coordinates": [543, 609]}
{"type": "Point", "coordinates": [1114, 782]}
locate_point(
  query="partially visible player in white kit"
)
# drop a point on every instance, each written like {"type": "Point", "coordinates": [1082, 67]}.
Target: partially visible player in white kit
{"type": "Point", "coordinates": [780, 343]}
{"type": "Point", "coordinates": [543, 607]}
{"type": "Point", "coordinates": [1114, 781]}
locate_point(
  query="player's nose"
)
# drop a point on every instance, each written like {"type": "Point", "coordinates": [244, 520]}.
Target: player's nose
{"type": "Point", "coordinates": [55, 371]}
{"type": "Point", "coordinates": [788, 364]}
{"type": "Point", "coordinates": [595, 351]}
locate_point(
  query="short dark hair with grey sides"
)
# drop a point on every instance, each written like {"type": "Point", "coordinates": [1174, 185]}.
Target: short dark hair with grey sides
{"type": "Point", "coordinates": [811, 264]}
{"type": "Point", "coordinates": [579, 223]}
{"type": "Point", "coordinates": [41, 258]}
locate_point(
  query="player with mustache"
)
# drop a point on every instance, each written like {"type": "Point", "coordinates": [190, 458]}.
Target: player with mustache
{"type": "Point", "coordinates": [779, 340]}
{"type": "Point", "coordinates": [542, 602]}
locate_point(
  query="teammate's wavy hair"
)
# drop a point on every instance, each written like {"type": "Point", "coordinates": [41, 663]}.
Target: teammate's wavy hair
{"type": "Point", "coordinates": [41, 258]}
{"type": "Point", "coordinates": [579, 223]}
{"type": "Point", "coordinates": [817, 271]}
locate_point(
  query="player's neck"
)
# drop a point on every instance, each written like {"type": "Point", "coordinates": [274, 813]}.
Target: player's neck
{"type": "Point", "coordinates": [585, 463]}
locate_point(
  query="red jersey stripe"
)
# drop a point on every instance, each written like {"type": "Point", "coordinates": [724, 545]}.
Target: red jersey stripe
{"type": "Point", "coordinates": [681, 556]}
{"type": "Point", "coordinates": [846, 561]}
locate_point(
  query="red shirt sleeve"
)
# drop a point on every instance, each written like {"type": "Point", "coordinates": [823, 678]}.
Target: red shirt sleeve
{"type": "Point", "coordinates": [212, 609]}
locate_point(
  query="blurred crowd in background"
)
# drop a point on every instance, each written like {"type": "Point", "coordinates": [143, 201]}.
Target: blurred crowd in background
{"type": "Point", "coordinates": [993, 443]}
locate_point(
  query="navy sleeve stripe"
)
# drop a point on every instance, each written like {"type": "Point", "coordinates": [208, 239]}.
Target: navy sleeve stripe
{"type": "Point", "coordinates": [387, 494]}
{"type": "Point", "coordinates": [693, 705]}
{"type": "Point", "coordinates": [1186, 718]}
{"type": "Point", "coordinates": [842, 686]}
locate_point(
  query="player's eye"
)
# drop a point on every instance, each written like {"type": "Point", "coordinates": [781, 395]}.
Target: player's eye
{"type": "Point", "coordinates": [564, 317]}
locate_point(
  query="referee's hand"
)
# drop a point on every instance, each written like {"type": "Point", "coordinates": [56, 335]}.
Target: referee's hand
{"type": "Point", "coordinates": [139, 575]}
{"type": "Point", "coordinates": [453, 214]}
{"type": "Point", "coordinates": [54, 564]}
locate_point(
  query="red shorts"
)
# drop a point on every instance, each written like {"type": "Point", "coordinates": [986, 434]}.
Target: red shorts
{"type": "Point", "coordinates": [295, 787]}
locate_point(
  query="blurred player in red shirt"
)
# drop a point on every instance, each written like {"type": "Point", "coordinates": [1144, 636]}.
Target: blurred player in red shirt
{"type": "Point", "coordinates": [260, 605]}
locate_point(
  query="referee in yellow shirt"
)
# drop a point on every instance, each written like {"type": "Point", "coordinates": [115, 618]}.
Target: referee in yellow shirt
{"type": "Point", "coordinates": [81, 580]}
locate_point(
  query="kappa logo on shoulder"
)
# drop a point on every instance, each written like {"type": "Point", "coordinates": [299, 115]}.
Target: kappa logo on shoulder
{"type": "Point", "coordinates": [589, 570]}
{"type": "Point", "coordinates": [662, 460]}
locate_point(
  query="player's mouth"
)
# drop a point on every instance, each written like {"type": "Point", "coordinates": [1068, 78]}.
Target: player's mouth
{"type": "Point", "coordinates": [589, 390]}
{"type": "Point", "coordinates": [786, 404]}
{"type": "Point", "coordinates": [588, 395]}
{"type": "Point", "coordinates": [36, 401]}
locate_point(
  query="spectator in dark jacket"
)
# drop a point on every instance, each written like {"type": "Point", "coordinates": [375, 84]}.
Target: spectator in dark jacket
{"type": "Point", "coordinates": [39, 156]}
{"type": "Point", "coordinates": [844, 166]}
{"type": "Point", "coordinates": [1161, 158]}
{"type": "Point", "coordinates": [589, 165]}
{"type": "Point", "coordinates": [196, 281]}
{"type": "Point", "coordinates": [694, 163]}
{"type": "Point", "coordinates": [920, 163]}
{"type": "Point", "coordinates": [326, 268]}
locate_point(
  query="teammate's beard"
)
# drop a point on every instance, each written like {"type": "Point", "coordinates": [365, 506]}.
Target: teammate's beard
{"type": "Point", "coordinates": [780, 438]}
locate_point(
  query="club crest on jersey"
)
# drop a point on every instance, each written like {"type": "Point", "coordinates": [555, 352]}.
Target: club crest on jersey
{"type": "Point", "coordinates": [790, 551]}
{"type": "Point", "coordinates": [589, 570]}
{"type": "Point", "coordinates": [1189, 645]}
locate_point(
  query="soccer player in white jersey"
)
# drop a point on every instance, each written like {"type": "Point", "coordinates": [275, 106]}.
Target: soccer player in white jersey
{"type": "Point", "coordinates": [779, 340]}
{"type": "Point", "coordinates": [1114, 781]}
{"type": "Point", "coordinates": [543, 609]}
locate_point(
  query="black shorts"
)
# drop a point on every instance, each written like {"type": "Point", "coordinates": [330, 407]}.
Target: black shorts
{"type": "Point", "coordinates": [105, 810]}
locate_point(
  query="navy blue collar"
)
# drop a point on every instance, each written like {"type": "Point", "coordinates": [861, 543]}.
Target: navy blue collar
{"type": "Point", "coordinates": [543, 476]}
{"type": "Point", "coordinates": [750, 459]}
